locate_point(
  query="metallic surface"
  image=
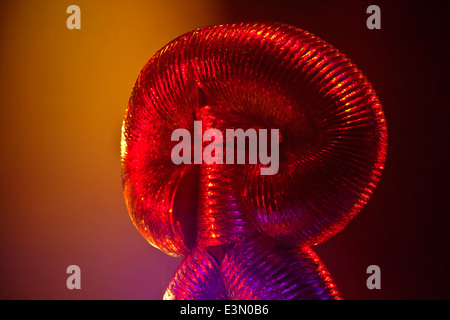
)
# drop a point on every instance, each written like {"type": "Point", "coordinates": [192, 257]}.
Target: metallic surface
{"type": "Point", "coordinates": [245, 235]}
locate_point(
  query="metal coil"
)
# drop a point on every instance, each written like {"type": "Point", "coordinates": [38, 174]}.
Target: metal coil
{"type": "Point", "coordinates": [261, 270]}
{"type": "Point", "coordinates": [197, 278]}
{"type": "Point", "coordinates": [254, 270]}
{"type": "Point", "coordinates": [332, 152]}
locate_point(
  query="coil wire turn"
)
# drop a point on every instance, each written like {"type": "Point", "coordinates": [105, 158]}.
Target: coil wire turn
{"type": "Point", "coordinates": [245, 235]}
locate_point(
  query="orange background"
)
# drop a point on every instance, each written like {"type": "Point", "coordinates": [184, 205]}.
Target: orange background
{"type": "Point", "coordinates": [63, 98]}
{"type": "Point", "coordinates": [63, 95]}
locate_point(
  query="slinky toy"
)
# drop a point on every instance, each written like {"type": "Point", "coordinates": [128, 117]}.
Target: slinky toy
{"type": "Point", "coordinates": [244, 235]}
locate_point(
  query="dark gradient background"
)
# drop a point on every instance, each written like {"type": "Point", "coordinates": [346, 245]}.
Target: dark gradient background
{"type": "Point", "coordinates": [63, 95]}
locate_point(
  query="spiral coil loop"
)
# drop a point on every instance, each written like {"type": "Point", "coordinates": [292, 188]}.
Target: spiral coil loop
{"type": "Point", "coordinates": [245, 235]}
